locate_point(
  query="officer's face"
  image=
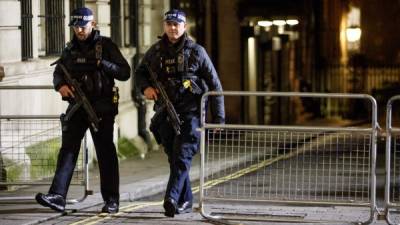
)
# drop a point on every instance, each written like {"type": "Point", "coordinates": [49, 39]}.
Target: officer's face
{"type": "Point", "coordinates": [174, 30]}
{"type": "Point", "coordinates": [82, 33]}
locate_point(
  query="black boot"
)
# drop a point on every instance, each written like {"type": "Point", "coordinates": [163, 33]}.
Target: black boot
{"type": "Point", "coordinates": [110, 207]}
{"type": "Point", "coordinates": [185, 207]}
{"type": "Point", "coordinates": [54, 201]}
{"type": "Point", "coordinates": [170, 207]}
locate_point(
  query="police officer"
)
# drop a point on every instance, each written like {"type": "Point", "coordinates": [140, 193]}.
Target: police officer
{"type": "Point", "coordinates": [95, 61]}
{"type": "Point", "coordinates": [186, 72]}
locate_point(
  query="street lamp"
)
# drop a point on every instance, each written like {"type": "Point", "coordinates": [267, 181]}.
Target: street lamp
{"type": "Point", "coordinates": [264, 23]}
{"type": "Point", "coordinates": [353, 33]}
{"type": "Point", "coordinates": [292, 22]}
{"type": "Point", "coordinates": [280, 24]}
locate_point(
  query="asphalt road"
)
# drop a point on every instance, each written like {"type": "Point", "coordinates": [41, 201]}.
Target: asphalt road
{"type": "Point", "coordinates": [149, 211]}
{"type": "Point", "coordinates": [292, 171]}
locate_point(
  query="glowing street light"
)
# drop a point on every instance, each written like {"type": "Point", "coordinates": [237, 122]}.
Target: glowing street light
{"type": "Point", "coordinates": [353, 33]}
{"type": "Point", "coordinates": [279, 22]}
{"type": "Point", "coordinates": [264, 23]}
{"type": "Point", "coordinates": [292, 22]}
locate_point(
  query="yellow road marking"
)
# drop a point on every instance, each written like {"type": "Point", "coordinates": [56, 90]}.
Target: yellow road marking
{"type": "Point", "coordinates": [129, 208]}
{"type": "Point", "coordinates": [124, 209]}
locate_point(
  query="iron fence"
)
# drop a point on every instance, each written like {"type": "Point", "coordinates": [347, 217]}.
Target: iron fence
{"type": "Point", "coordinates": [381, 82]}
{"type": "Point", "coordinates": [286, 165]}
{"type": "Point", "coordinates": [29, 146]}
{"type": "Point", "coordinates": [392, 187]}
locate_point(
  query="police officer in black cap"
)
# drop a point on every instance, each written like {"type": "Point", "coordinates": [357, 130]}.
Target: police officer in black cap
{"type": "Point", "coordinates": [95, 61]}
{"type": "Point", "coordinates": [186, 72]}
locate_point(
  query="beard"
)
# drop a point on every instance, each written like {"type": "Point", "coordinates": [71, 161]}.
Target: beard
{"type": "Point", "coordinates": [82, 37]}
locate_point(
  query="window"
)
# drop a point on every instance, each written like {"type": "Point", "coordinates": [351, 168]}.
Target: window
{"type": "Point", "coordinates": [26, 29]}
{"type": "Point", "coordinates": [115, 8]}
{"type": "Point", "coordinates": [51, 27]}
{"type": "Point", "coordinates": [73, 4]}
{"type": "Point", "coordinates": [130, 23]}
{"type": "Point", "coordinates": [124, 26]}
{"type": "Point", "coordinates": [195, 14]}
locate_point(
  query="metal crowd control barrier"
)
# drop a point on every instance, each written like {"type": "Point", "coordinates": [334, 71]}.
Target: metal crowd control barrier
{"type": "Point", "coordinates": [392, 184]}
{"type": "Point", "coordinates": [29, 146]}
{"type": "Point", "coordinates": [286, 165]}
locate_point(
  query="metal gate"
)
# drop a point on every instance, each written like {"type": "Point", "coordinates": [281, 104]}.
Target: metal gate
{"type": "Point", "coordinates": [29, 146]}
{"type": "Point", "coordinates": [286, 165]}
{"type": "Point", "coordinates": [392, 184]}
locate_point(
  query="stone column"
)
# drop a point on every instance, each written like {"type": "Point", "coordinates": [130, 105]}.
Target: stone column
{"type": "Point", "coordinates": [10, 34]}
{"type": "Point", "coordinates": [101, 11]}
{"type": "Point", "coordinates": [229, 55]}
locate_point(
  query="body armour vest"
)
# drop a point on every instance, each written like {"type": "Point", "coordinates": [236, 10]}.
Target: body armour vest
{"type": "Point", "coordinates": [81, 61]}
{"type": "Point", "coordinates": [183, 87]}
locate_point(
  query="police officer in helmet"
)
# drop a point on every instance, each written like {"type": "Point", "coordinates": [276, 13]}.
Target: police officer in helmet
{"type": "Point", "coordinates": [186, 72]}
{"type": "Point", "coordinates": [94, 61]}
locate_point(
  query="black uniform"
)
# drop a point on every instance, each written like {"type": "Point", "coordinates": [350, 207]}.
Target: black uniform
{"type": "Point", "coordinates": [186, 72]}
{"type": "Point", "coordinates": [97, 81]}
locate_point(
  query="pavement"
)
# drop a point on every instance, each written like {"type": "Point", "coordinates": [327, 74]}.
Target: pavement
{"type": "Point", "coordinates": [140, 180]}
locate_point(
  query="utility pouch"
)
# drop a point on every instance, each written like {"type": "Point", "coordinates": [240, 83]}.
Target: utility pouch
{"type": "Point", "coordinates": [115, 99]}
{"type": "Point", "coordinates": [98, 84]}
{"type": "Point", "coordinates": [115, 95]}
{"type": "Point", "coordinates": [156, 121]}
{"type": "Point", "coordinates": [173, 88]}
{"type": "Point", "coordinates": [64, 126]}
{"type": "Point", "coordinates": [194, 84]}
{"type": "Point", "coordinates": [88, 83]}
{"type": "Point", "coordinates": [195, 88]}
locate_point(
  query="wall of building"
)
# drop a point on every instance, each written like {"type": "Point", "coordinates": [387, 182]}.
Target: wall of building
{"type": "Point", "coordinates": [229, 54]}
{"type": "Point", "coordinates": [380, 37]}
{"type": "Point", "coordinates": [37, 71]}
{"type": "Point", "coordinates": [332, 16]}
{"type": "Point", "coordinates": [9, 31]}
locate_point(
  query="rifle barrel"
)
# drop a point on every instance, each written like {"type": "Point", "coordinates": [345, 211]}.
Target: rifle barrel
{"type": "Point", "coordinates": [173, 116]}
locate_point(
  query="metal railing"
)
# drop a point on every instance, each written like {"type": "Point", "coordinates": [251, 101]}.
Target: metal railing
{"type": "Point", "coordinates": [392, 182]}
{"type": "Point", "coordinates": [29, 146]}
{"type": "Point", "coordinates": [377, 81]}
{"type": "Point", "coordinates": [348, 79]}
{"type": "Point", "coordinates": [287, 165]}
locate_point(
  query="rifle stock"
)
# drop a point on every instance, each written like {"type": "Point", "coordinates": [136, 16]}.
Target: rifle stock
{"type": "Point", "coordinates": [172, 115]}
{"type": "Point", "coordinates": [80, 98]}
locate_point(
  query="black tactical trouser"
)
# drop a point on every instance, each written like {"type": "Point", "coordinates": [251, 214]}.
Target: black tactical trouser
{"type": "Point", "coordinates": [105, 151]}
{"type": "Point", "coordinates": [180, 150]}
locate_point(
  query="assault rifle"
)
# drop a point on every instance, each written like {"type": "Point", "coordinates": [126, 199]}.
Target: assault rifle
{"type": "Point", "coordinates": [172, 116]}
{"type": "Point", "coordinates": [79, 98]}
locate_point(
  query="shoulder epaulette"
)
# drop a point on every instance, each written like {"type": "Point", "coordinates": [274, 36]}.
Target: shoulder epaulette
{"type": "Point", "coordinates": [103, 38]}
{"type": "Point", "coordinates": [69, 45]}
{"type": "Point", "coordinates": [190, 43]}
{"type": "Point", "coordinates": [157, 46]}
